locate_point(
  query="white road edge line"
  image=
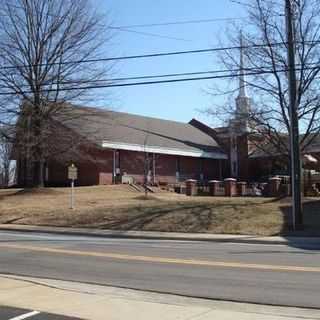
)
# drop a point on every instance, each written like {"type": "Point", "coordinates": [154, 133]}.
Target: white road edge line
{"type": "Point", "coordinates": [26, 315]}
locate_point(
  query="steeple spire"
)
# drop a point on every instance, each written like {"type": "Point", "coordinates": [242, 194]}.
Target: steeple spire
{"type": "Point", "coordinates": [242, 101]}
{"type": "Point", "coordinates": [242, 78]}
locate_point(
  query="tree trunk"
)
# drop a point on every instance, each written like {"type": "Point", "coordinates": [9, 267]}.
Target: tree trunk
{"type": "Point", "coordinates": [38, 143]}
{"type": "Point", "coordinates": [39, 174]}
{"type": "Point", "coordinates": [6, 176]}
{"type": "Point", "coordinates": [28, 173]}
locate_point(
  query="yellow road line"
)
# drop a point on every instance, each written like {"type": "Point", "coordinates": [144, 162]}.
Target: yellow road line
{"type": "Point", "coordinates": [128, 257]}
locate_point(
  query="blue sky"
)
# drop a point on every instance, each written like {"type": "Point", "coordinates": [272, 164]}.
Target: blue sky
{"type": "Point", "coordinates": [180, 101]}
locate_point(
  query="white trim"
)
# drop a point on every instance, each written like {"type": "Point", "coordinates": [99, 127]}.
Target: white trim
{"type": "Point", "coordinates": [161, 150]}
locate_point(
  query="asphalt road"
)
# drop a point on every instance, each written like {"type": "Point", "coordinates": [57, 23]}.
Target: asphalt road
{"type": "Point", "coordinates": [8, 313]}
{"type": "Point", "coordinates": [267, 274]}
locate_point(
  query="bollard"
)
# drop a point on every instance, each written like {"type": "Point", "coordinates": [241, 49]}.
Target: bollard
{"type": "Point", "coordinates": [274, 186]}
{"type": "Point", "coordinates": [241, 188]}
{"type": "Point", "coordinates": [191, 188]}
{"type": "Point", "coordinates": [230, 187]}
{"type": "Point", "coordinates": [213, 187]}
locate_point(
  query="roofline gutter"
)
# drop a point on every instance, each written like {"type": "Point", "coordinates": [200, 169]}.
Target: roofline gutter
{"type": "Point", "coordinates": [161, 150]}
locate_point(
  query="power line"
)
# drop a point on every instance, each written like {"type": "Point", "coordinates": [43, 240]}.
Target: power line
{"type": "Point", "coordinates": [150, 55]}
{"type": "Point", "coordinates": [126, 29]}
{"type": "Point", "coordinates": [168, 75]}
{"type": "Point", "coordinates": [142, 56]}
{"type": "Point", "coordinates": [182, 22]}
{"type": "Point", "coordinates": [127, 84]}
{"type": "Point", "coordinates": [130, 84]}
{"type": "Point", "coordinates": [123, 29]}
{"type": "Point", "coordinates": [156, 55]}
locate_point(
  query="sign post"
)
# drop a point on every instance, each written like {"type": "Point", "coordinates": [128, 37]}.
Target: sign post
{"type": "Point", "coordinates": [72, 175]}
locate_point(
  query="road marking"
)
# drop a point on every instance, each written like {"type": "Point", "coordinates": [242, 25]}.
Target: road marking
{"type": "Point", "coordinates": [207, 263]}
{"type": "Point", "coordinates": [26, 315]}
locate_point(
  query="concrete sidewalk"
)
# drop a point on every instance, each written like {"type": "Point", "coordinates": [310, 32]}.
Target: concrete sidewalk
{"type": "Point", "coordinates": [106, 303]}
{"type": "Point", "coordinates": [290, 240]}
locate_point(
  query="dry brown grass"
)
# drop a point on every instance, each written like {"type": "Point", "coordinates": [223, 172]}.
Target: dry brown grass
{"type": "Point", "coordinates": [121, 208]}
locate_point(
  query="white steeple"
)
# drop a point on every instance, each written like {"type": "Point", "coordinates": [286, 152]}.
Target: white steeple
{"type": "Point", "coordinates": [239, 125]}
{"type": "Point", "coordinates": [242, 78]}
{"type": "Point", "coordinates": [243, 100]}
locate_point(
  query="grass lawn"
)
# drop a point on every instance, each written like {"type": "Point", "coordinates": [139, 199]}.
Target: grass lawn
{"type": "Point", "coordinates": [121, 208]}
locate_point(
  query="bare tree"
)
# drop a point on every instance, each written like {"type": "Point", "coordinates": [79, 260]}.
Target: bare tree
{"type": "Point", "coordinates": [49, 56]}
{"type": "Point", "coordinates": [6, 169]}
{"type": "Point", "coordinates": [265, 53]}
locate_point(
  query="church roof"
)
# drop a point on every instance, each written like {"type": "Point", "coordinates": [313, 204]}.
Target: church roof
{"type": "Point", "coordinates": [118, 130]}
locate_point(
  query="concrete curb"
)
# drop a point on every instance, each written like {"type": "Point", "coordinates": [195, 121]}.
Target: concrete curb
{"type": "Point", "coordinates": [150, 235]}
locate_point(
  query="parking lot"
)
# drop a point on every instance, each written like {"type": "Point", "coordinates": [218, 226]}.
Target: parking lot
{"type": "Point", "coordinates": [9, 313]}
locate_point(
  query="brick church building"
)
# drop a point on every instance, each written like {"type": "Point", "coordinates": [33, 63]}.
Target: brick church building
{"type": "Point", "coordinates": [126, 146]}
{"type": "Point", "coordinates": [113, 147]}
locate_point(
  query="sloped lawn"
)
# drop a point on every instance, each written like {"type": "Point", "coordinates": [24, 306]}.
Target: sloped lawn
{"type": "Point", "coordinates": [122, 208]}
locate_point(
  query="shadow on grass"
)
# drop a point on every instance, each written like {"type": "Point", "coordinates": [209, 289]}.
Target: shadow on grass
{"type": "Point", "coordinates": [180, 218]}
{"type": "Point", "coordinates": [209, 217]}
{"type": "Point", "coordinates": [7, 193]}
{"type": "Point", "coordinates": [147, 198]}
{"type": "Point", "coordinates": [311, 222]}
{"type": "Point", "coordinates": [196, 216]}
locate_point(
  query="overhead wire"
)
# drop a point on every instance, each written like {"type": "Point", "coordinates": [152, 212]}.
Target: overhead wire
{"type": "Point", "coordinates": [182, 22]}
{"type": "Point", "coordinates": [153, 55]}
{"type": "Point", "coordinates": [129, 84]}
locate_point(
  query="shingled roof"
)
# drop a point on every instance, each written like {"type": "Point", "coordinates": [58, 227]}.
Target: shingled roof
{"type": "Point", "coordinates": [118, 130]}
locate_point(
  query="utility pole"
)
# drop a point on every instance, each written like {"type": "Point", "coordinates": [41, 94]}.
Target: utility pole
{"type": "Point", "coordinates": [294, 121]}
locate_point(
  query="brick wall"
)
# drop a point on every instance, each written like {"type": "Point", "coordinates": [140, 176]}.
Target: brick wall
{"type": "Point", "coordinates": [166, 167]}
{"type": "Point", "coordinates": [190, 167]}
{"type": "Point", "coordinates": [133, 163]}
{"type": "Point", "coordinates": [99, 169]}
{"type": "Point", "coordinates": [213, 169]}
